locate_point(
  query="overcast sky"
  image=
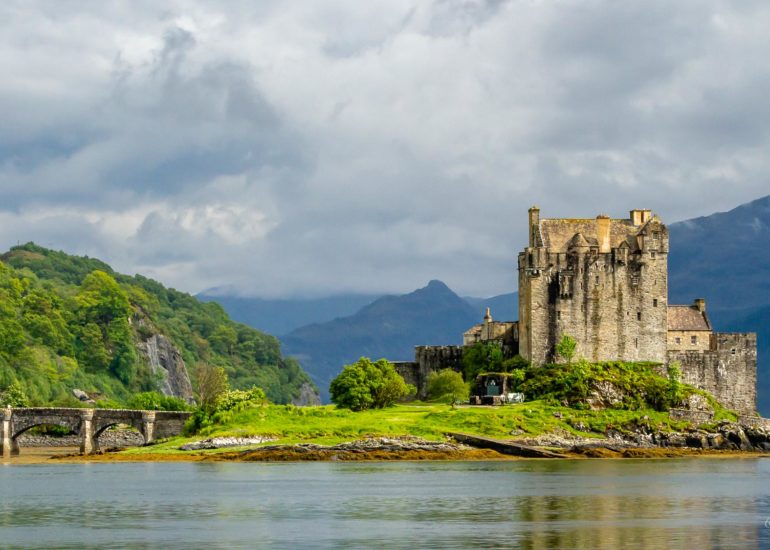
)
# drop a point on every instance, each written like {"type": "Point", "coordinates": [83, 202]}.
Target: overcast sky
{"type": "Point", "coordinates": [312, 147]}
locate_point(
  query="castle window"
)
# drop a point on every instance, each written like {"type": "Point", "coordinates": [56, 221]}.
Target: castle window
{"type": "Point", "coordinates": [638, 315]}
{"type": "Point", "coordinates": [693, 339]}
{"type": "Point", "coordinates": [654, 302]}
{"type": "Point", "coordinates": [636, 343]}
{"type": "Point", "coordinates": [732, 351]}
{"type": "Point", "coordinates": [558, 315]}
{"type": "Point", "coordinates": [678, 340]}
{"type": "Point", "coordinates": [652, 255]}
{"type": "Point", "coordinates": [597, 280]}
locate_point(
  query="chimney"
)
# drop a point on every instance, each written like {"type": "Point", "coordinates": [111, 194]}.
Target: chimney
{"type": "Point", "coordinates": [640, 216]}
{"type": "Point", "coordinates": [700, 305]}
{"type": "Point", "coordinates": [534, 222]}
{"type": "Point", "coordinates": [603, 233]}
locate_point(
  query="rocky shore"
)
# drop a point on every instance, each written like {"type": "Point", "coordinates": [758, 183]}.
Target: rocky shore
{"type": "Point", "coordinates": [378, 448]}
{"type": "Point", "coordinates": [723, 437]}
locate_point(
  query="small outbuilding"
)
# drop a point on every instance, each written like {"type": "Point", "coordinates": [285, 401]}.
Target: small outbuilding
{"type": "Point", "coordinates": [494, 388]}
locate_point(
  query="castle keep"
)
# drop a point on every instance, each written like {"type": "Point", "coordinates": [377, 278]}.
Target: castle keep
{"type": "Point", "coordinates": [604, 282]}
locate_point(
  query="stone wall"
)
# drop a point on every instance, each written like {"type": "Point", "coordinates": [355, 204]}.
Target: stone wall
{"type": "Point", "coordinates": [728, 370]}
{"type": "Point", "coordinates": [429, 359]}
{"type": "Point", "coordinates": [702, 340]}
{"type": "Point", "coordinates": [614, 308]}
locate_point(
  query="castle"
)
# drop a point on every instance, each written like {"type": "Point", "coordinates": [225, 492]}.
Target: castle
{"type": "Point", "coordinates": [604, 282]}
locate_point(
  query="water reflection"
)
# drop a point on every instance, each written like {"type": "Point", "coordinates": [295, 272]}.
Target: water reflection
{"type": "Point", "coordinates": [528, 504]}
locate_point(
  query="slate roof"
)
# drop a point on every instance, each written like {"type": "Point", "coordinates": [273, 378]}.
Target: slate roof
{"type": "Point", "coordinates": [687, 318]}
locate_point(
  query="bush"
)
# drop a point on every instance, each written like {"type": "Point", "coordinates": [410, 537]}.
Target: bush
{"type": "Point", "coordinates": [447, 385]}
{"type": "Point", "coordinates": [154, 401]}
{"type": "Point", "coordinates": [14, 396]}
{"type": "Point", "coordinates": [566, 348]}
{"type": "Point", "coordinates": [366, 385]}
{"type": "Point", "coordinates": [480, 358]}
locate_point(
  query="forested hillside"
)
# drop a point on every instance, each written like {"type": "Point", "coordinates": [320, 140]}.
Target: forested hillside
{"type": "Point", "coordinates": [71, 322]}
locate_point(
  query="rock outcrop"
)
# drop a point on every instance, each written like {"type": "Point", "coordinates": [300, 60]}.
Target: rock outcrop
{"type": "Point", "coordinates": [308, 396]}
{"type": "Point", "coordinates": [166, 361]}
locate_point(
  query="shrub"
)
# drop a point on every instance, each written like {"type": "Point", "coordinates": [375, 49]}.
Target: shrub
{"type": "Point", "coordinates": [447, 385]}
{"type": "Point", "coordinates": [480, 358]}
{"type": "Point", "coordinates": [154, 401]}
{"type": "Point", "coordinates": [14, 396]}
{"type": "Point", "coordinates": [366, 385]}
{"type": "Point", "coordinates": [566, 348]}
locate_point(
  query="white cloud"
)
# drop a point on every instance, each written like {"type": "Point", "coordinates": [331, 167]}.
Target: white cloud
{"type": "Point", "coordinates": [312, 147]}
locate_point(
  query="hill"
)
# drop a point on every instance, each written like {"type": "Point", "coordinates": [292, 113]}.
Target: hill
{"type": "Point", "coordinates": [389, 327]}
{"type": "Point", "coordinates": [721, 257]}
{"type": "Point", "coordinates": [281, 316]}
{"type": "Point", "coordinates": [70, 323]}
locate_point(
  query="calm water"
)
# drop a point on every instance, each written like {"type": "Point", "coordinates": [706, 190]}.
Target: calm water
{"type": "Point", "coordinates": [689, 504]}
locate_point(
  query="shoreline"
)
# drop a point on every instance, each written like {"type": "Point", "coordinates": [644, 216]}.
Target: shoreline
{"type": "Point", "coordinates": [305, 453]}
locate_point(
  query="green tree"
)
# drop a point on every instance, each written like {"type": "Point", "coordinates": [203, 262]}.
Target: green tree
{"type": "Point", "coordinates": [92, 352]}
{"type": "Point", "coordinates": [212, 383]}
{"type": "Point", "coordinates": [101, 299]}
{"type": "Point", "coordinates": [364, 385]}
{"type": "Point", "coordinates": [566, 348]}
{"type": "Point", "coordinates": [480, 358]}
{"type": "Point", "coordinates": [14, 396]}
{"type": "Point", "coordinates": [447, 385]}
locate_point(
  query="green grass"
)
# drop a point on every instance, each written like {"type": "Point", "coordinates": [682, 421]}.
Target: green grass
{"type": "Point", "coordinates": [328, 425]}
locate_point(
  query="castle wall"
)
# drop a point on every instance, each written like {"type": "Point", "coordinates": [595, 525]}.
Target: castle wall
{"type": "Point", "coordinates": [614, 308]}
{"type": "Point", "coordinates": [702, 340]}
{"type": "Point", "coordinates": [728, 370]}
{"type": "Point", "coordinates": [429, 359]}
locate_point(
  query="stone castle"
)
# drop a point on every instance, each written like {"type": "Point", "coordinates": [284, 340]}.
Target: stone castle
{"type": "Point", "coordinates": [604, 282]}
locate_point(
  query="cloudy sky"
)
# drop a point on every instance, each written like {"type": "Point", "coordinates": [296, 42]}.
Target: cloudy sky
{"type": "Point", "coordinates": [312, 147]}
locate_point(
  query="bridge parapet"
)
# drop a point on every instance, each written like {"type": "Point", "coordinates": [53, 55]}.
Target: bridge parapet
{"type": "Point", "coordinates": [88, 423]}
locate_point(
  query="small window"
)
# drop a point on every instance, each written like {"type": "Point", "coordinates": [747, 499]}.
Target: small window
{"type": "Point", "coordinates": [678, 340]}
{"type": "Point", "coordinates": [636, 343]}
{"type": "Point", "coordinates": [597, 280]}
{"type": "Point", "coordinates": [693, 339]}
{"type": "Point", "coordinates": [654, 302]}
{"type": "Point", "coordinates": [558, 314]}
{"type": "Point", "coordinates": [732, 351]}
{"type": "Point", "coordinates": [652, 255]}
{"type": "Point", "coordinates": [638, 315]}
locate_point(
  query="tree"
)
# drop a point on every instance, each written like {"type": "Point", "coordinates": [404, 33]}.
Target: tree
{"type": "Point", "coordinates": [447, 385]}
{"type": "Point", "coordinates": [212, 383]}
{"type": "Point", "coordinates": [480, 358]}
{"type": "Point", "coordinates": [566, 348]}
{"type": "Point", "coordinates": [364, 385]}
{"type": "Point", "coordinates": [14, 396]}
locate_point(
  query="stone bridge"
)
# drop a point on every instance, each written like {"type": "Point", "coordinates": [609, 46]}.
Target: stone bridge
{"type": "Point", "coordinates": [88, 423]}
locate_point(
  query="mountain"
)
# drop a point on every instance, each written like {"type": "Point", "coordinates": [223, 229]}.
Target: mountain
{"type": "Point", "coordinates": [722, 258]}
{"type": "Point", "coordinates": [282, 316]}
{"type": "Point", "coordinates": [504, 307]}
{"type": "Point", "coordinates": [72, 323]}
{"type": "Point", "coordinates": [389, 327]}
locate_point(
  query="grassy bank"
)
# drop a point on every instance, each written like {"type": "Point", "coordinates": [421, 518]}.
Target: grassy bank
{"type": "Point", "coordinates": [328, 425]}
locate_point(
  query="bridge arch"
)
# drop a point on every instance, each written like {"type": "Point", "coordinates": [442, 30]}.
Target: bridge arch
{"type": "Point", "coordinates": [88, 423]}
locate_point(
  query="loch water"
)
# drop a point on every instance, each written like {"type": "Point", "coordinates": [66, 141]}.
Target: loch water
{"type": "Point", "coordinates": [681, 503]}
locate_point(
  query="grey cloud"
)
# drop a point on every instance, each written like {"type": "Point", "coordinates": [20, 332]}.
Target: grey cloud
{"type": "Point", "coordinates": [310, 148]}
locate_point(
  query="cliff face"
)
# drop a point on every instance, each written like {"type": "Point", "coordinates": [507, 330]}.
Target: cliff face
{"type": "Point", "coordinates": [308, 396]}
{"type": "Point", "coordinates": [164, 359]}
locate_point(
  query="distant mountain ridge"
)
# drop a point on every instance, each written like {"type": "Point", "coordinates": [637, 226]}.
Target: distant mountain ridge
{"type": "Point", "coordinates": [388, 327]}
{"type": "Point", "coordinates": [281, 316]}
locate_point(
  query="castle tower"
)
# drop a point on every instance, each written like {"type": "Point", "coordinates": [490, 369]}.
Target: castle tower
{"type": "Point", "coordinates": [601, 281]}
